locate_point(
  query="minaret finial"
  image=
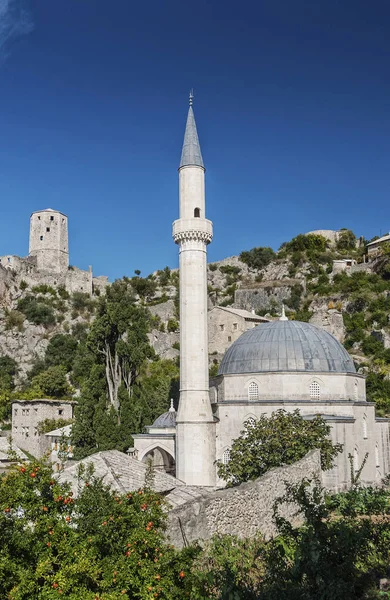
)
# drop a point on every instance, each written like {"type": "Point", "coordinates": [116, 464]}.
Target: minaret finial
{"type": "Point", "coordinates": [283, 317]}
{"type": "Point", "coordinates": [172, 408]}
{"type": "Point", "coordinates": [191, 96]}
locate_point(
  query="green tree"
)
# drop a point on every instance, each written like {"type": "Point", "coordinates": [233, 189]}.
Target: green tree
{"type": "Point", "coordinates": [257, 258]}
{"type": "Point", "coordinates": [118, 336]}
{"type": "Point", "coordinates": [8, 370]}
{"type": "Point", "coordinates": [61, 351]}
{"type": "Point", "coordinates": [280, 439]}
{"type": "Point", "coordinates": [52, 382]}
{"type": "Point", "coordinates": [97, 545]}
{"type": "Point", "coordinates": [346, 240]}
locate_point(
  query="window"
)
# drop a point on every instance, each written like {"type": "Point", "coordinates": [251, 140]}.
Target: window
{"type": "Point", "coordinates": [47, 228]}
{"type": "Point", "coordinates": [51, 218]}
{"type": "Point", "coordinates": [235, 326]}
{"type": "Point", "coordinates": [314, 390]}
{"type": "Point", "coordinates": [222, 327]}
{"type": "Point", "coordinates": [377, 463]}
{"type": "Point", "coordinates": [15, 412]}
{"type": "Point", "coordinates": [226, 457]}
{"type": "Point", "coordinates": [253, 391]}
{"type": "Point", "coordinates": [41, 237]}
{"type": "Point", "coordinates": [356, 391]}
{"type": "Point", "coordinates": [39, 218]}
{"type": "Point", "coordinates": [9, 259]}
{"type": "Point", "coordinates": [229, 338]}
{"type": "Point", "coordinates": [356, 459]}
{"type": "Point", "coordinates": [365, 434]}
{"type": "Point", "coordinates": [197, 212]}
{"type": "Point", "coordinates": [60, 412]}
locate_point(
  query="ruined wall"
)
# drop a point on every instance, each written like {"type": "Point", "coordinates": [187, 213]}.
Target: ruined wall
{"type": "Point", "coordinates": [266, 295]}
{"type": "Point", "coordinates": [242, 511]}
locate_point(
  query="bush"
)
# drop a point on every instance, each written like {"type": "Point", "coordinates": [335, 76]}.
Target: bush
{"type": "Point", "coordinates": [347, 240]}
{"type": "Point", "coordinates": [172, 325]}
{"type": "Point", "coordinates": [302, 242]}
{"type": "Point", "coordinates": [213, 267]}
{"type": "Point", "coordinates": [61, 351]}
{"type": "Point", "coordinates": [37, 311]}
{"type": "Point", "coordinates": [257, 258]}
{"type": "Point", "coordinates": [63, 293]}
{"type": "Point", "coordinates": [14, 318]}
{"type": "Point", "coordinates": [51, 424]}
{"type": "Point", "coordinates": [52, 382]}
{"type": "Point", "coordinates": [23, 285]}
{"type": "Point", "coordinates": [81, 301]}
{"type": "Point", "coordinates": [44, 289]}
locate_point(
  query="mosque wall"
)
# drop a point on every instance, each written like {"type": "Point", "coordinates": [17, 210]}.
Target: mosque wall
{"type": "Point", "coordinates": [290, 386]}
{"type": "Point", "coordinates": [244, 510]}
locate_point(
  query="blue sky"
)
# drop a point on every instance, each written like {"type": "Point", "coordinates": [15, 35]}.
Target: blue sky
{"type": "Point", "coordinates": [292, 102]}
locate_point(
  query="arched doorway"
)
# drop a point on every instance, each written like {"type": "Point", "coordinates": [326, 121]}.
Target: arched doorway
{"type": "Point", "coordinates": [161, 460]}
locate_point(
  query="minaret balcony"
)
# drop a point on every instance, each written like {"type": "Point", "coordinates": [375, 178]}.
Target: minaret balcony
{"type": "Point", "coordinates": [187, 229]}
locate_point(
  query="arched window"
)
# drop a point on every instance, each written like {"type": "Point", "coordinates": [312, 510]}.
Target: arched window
{"type": "Point", "coordinates": [197, 212]}
{"type": "Point", "coordinates": [250, 422]}
{"type": "Point", "coordinates": [314, 390]}
{"type": "Point", "coordinates": [253, 391]}
{"type": "Point", "coordinates": [226, 457]}
{"type": "Point", "coordinates": [365, 434]}
{"type": "Point", "coordinates": [356, 459]}
{"type": "Point", "coordinates": [356, 391]}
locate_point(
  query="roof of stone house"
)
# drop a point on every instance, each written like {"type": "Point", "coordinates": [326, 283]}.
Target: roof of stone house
{"type": "Point", "coordinates": [45, 400]}
{"type": "Point", "coordinates": [61, 431]}
{"type": "Point", "coordinates": [287, 346]}
{"type": "Point", "coordinates": [191, 154]}
{"type": "Point", "coordinates": [186, 493]}
{"type": "Point", "coordinates": [243, 313]}
{"type": "Point", "coordinates": [121, 472]}
{"type": "Point", "coordinates": [384, 238]}
{"type": "Point", "coordinates": [5, 448]}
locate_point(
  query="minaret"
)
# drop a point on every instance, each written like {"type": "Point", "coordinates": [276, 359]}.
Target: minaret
{"type": "Point", "coordinates": [195, 429]}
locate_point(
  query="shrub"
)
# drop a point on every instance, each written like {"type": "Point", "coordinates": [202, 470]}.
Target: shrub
{"type": "Point", "coordinates": [213, 267]}
{"type": "Point", "coordinates": [52, 382]}
{"type": "Point", "coordinates": [306, 242]}
{"type": "Point", "coordinates": [63, 293]}
{"type": "Point", "coordinates": [36, 310]}
{"type": "Point", "coordinates": [14, 318]}
{"type": "Point", "coordinates": [50, 424]}
{"type": "Point", "coordinates": [44, 289]}
{"type": "Point", "coordinates": [61, 350]}
{"type": "Point", "coordinates": [347, 240]}
{"type": "Point", "coordinates": [23, 285]}
{"type": "Point", "coordinates": [172, 325]}
{"type": "Point", "coordinates": [257, 258]}
{"type": "Point", "coordinates": [81, 301]}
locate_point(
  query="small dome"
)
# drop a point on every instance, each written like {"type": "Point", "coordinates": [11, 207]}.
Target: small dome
{"type": "Point", "coordinates": [286, 346]}
{"type": "Point", "coordinates": [167, 419]}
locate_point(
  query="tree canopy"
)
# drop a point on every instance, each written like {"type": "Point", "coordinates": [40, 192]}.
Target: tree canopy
{"type": "Point", "coordinates": [280, 439]}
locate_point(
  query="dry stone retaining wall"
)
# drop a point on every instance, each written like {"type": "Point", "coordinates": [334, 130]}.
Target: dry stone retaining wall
{"type": "Point", "coordinates": [244, 510]}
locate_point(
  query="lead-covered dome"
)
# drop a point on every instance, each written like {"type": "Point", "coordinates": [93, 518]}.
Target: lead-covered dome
{"type": "Point", "coordinates": [286, 346]}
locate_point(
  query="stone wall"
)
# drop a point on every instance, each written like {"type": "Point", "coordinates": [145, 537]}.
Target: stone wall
{"type": "Point", "coordinates": [266, 295]}
{"type": "Point", "coordinates": [242, 511]}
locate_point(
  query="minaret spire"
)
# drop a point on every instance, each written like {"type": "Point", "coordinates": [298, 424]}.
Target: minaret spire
{"type": "Point", "coordinates": [195, 427]}
{"type": "Point", "coordinates": [191, 154]}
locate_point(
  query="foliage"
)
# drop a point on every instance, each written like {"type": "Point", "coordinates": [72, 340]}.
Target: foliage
{"type": "Point", "coordinates": [346, 240]}
{"type": "Point", "coordinates": [52, 382]}
{"type": "Point", "coordinates": [144, 287]}
{"type": "Point", "coordinates": [81, 301]}
{"type": "Point", "coordinates": [301, 243]}
{"type": "Point", "coordinates": [280, 439]}
{"type": "Point", "coordinates": [164, 276]}
{"type": "Point", "coordinates": [213, 267]}
{"type": "Point", "coordinates": [14, 318]}
{"type": "Point", "coordinates": [51, 424]}
{"type": "Point", "coordinates": [61, 350]}
{"type": "Point", "coordinates": [360, 501]}
{"type": "Point", "coordinates": [97, 545]}
{"type": "Point", "coordinates": [378, 391]}
{"type": "Point", "coordinates": [23, 285]}
{"type": "Point", "coordinates": [8, 370]}
{"type": "Point", "coordinates": [37, 310]}
{"type": "Point", "coordinates": [44, 289]}
{"type": "Point", "coordinates": [258, 258]}
{"type": "Point", "coordinates": [172, 325]}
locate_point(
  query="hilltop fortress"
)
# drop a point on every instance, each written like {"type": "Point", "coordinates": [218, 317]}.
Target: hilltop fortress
{"type": "Point", "coordinates": [48, 259]}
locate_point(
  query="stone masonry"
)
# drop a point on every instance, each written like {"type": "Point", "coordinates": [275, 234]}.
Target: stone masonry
{"type": "Point", "coordinates": [244, 510]}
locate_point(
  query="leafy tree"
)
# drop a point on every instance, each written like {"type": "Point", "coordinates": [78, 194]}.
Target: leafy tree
{"type": "Point", "coordinates": [119, 337]}
{"type": "Point", "coordinates": [97, 545]}
{"type": "Point", "coordinates": [51, 424]}
{"type": "Point", "coordinates": [37, 310]}
{"type": "Point", "coordinates": [52, 382]}
{"type": "Point", "coordinates": [257, 258]}
{"type": "Point", "coordinates": [282, 438]}
{"type": "Point", "coordinates": [302, 243]}
{"type": "Point", "coordinates": [144, 287]}
{"type": "Point", "coordinates": [346, 240]}
{"type": "Point", "coordinates": [61, 351]}
{"type": "Point", "coordinates": [8, 370]}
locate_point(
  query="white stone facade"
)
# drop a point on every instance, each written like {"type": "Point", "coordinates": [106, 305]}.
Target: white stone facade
{"type": "Point", "coordinates": [227, 324]}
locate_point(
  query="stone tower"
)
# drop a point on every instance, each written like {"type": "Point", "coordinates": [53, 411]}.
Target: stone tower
{"type": "Point", "coordinates": [195, 429]}
{"type": "Point", "coordinates": [49, 240]}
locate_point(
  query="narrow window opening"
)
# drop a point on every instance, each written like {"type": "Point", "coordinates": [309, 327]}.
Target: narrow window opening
{"type": "Point", "coordinates": [41, 237]}
{"type": "Point", "coordinates": [197, 212]}
{"type": "Point", "coordinates": [229, 338]}
{"type": "Point", "coordinates": [222, 327]}
{"type": "Point", "coordinates": [365, 434]}
{"type": "Point", "coordinates": [314, 390]}
{"type": "Point", "coordinates": [235, 326]}
{"type": "Point", "coordinates": [226, 457]}
{"type": "Point", "coordinates": [355, 391]}
{"type": "Point", "coordinates": [51, 218]}
{"type": "Point", "coordinates": [60, 412]}
{"type": "Point", "coordinates": [39, 218]}
{"type": "Point", "coordinates": [377, 463]}
{"type": "Point", "coordinates": [47, 228]}
{"type": "Point", "coordinates": [253, 391]}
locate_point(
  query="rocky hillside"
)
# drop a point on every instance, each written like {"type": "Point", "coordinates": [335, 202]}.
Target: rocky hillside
{"type": "Point", "coordinates": [40, 325]}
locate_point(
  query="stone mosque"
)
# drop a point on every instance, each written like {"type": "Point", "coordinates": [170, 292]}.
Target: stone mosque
{"type": "Point", "coordinates": [277, 365]}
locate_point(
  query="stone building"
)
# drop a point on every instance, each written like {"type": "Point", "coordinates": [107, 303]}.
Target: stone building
{"type": "Point", "coordinates": [374, 248]}
{"type": "Point", "coordinates": [26, 416]}
{"type": "Point", "coordinates": [227, 324]}
{"type": "Point", "coordinates": [49, 240]}
{"type": "Point", "coordinates": [277, 365]}
{"type": "Point", "coordinates": [48, 259]}
{"type": "Point", "coordinates": [60, 445]}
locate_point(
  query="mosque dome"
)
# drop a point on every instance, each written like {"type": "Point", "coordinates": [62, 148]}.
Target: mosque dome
{"type": "Point", "coordinates": [167, 419]}
{"type": "Point", "coordinates": [287, 346]}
